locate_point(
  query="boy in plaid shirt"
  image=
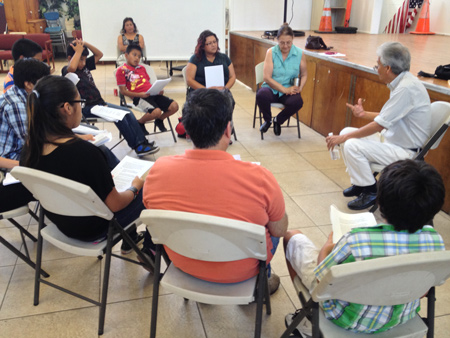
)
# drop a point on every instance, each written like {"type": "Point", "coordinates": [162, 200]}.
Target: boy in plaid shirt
{"type": "Point", "coordinates": [409, 194]}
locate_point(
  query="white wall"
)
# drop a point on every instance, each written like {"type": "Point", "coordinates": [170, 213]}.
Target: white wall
{"type": "Point", "coordinates": [268, 14]}
{"type": "Point", "coordinates": [170, 27]}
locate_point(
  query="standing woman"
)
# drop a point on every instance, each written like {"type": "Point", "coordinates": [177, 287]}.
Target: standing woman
{"type": "Point", "coordinates": [283, 64]}
{"type": "Point", "coordinates": [207, 53]}
{"type": "Point", "coordinates": [54, 108]}
{"type": "Point", "coordinates": [128, 35]}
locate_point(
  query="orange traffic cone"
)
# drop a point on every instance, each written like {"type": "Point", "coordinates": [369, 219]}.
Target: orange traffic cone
{"type": "Point", "coordinates": [325, 21]}
{"type": "Point", "coordinates": [423, 25]}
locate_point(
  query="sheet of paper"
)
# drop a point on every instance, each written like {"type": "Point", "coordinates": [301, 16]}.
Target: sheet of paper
{"type": "Point", "coordinates": [214, 76]}
{"type": "Point", "coordinates": [101, 138]}
{"type": "Point", "coordinates": [83, 129]}
{"type": "Point", "coordinates": [108, 113]}
{"type": "Point", "coordinates": [343, 222]}
{"type": "Point", "coordinates": [159, 85]}
{"type": "Point", "coordinates": [125, 172]}
{"type": "Point", "coordinates": [9, 179]}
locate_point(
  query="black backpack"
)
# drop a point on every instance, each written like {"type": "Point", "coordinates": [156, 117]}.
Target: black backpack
{"type": "Point", "coordinates": [441, 72]}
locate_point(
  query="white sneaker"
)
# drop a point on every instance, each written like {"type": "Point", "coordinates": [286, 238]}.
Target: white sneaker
{"type": "Point", "coordinates": [304, 329]}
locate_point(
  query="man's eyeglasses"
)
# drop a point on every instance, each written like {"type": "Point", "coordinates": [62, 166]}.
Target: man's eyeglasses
{"type": "Point", "coordinates": [82, 103]}
{"type": "Point", "coordinates": [211, 43]}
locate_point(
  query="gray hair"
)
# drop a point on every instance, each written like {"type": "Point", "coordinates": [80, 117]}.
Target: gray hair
{"type": "Point", "coordinates": [395, 55]}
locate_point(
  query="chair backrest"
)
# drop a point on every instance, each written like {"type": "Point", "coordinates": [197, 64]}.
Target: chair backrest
{"type": "Point", "coordinates": [385, 281]}
{"type": "Point", "coordinates": [204, 237]}
{"type": "Point", "coordinates": [39, 38]}
{"type": "Point", "coordinates": [440, 114]}
{"type": "Point", "coordinates": [183, 71]}
{"type": "Point", "coordinates": [259, 73]}
{"type": "Point", "coordinates": [52, 19]}
{"type": "Point", "coordinates": [150, 72]}
{"type": "Point", "coordinates": [60, 195]}
{"type": "Point", "coordinates": [7, 40]}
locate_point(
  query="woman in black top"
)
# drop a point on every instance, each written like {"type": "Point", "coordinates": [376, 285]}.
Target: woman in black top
{"type": "Point", "coordinates": [54, 108]}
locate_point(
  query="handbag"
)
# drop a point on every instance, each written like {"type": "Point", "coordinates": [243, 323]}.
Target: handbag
{"type": "Point", "coordinates": [442, 72]}
{"type": "Point", "coordinates": [316, 42]}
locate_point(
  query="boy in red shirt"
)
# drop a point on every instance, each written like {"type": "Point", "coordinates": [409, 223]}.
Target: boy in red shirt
{"type": "Point", "coordinates": [133, 81]}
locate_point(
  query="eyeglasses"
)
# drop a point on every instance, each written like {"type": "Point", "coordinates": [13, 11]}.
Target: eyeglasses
{"type": "Point", "coordinates": [81, 101]}
{"type": "Point", "coordinates": [211, 43]}
{"type": "Point", "coordinates": [376, 67]}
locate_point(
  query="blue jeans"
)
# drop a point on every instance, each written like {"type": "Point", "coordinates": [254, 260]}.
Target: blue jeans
{"type": "Point", "coordinates": [128, 127]}
{"type": "Point", "coordinates": [275, 241]}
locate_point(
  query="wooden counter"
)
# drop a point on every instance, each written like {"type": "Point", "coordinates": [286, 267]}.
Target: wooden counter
{"type": "Point", "coordinates": [334, 81]}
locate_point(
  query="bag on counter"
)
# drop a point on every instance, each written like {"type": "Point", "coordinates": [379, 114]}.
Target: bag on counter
{"type": "Point", "coordinates": [442, 72]}
{"type": "Point", "coordinates": [316, 42]}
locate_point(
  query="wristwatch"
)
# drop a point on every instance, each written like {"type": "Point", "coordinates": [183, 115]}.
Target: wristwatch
{"type": "Point", "coordinates": [134, 190]}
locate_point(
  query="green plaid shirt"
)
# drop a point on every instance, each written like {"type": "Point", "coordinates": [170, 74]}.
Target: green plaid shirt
{"type": "Point", "coordinates": [369, 243]}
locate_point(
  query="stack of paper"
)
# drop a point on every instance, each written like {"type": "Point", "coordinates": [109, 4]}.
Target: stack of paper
{"type": "Point", "coordinates": [108, 113]}
{"type": "Point", "coordinates": [125, 172]}
{"type": "Point", "coordinates": [343, 223]}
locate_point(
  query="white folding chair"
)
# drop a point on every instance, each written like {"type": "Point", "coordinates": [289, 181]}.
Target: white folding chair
{"type": "Point", "coordinates": [123, 102]}
{"type": "Point", "coordinates": [259, 78]}
{"type": "Point", "coordinates": [383, 281]}
{"type": "Point", "coordinates": [69, 198]}
{"type": "Point", "coordinates": [440, 121]}
{"type": "Point", "coordinates": [213, 239]}
{"type": "Point", "coordinates": [10, 215]}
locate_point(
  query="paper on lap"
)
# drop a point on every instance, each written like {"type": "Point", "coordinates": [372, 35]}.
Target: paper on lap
{"type": "Point", "coordinates": [158, 86]}
{"type": "Point", "coordinates": [108, 113]}
{"type": "Point", "coordinates": [214, 76]}
{"type": "Point", "coordinates": [125, 172]}
{"type": "Point", "coordinates": [343, 222]}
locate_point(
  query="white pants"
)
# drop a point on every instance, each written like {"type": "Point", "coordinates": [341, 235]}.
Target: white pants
{"type": "Point", "coordinates": [358, 153]}
{"type": "Point", "coordinates": [302, 254]}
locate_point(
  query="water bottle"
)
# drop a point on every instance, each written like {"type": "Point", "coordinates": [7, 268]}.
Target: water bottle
{"type": "Point", "coordinates": [334, 152]}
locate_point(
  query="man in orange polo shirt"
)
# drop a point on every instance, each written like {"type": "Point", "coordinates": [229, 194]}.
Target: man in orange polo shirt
{"type": "Point", "coordinates": [208, 180]}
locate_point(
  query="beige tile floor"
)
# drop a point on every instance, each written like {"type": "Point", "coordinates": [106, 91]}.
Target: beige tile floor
{"type": "Point", "coordinates": [310, 181]}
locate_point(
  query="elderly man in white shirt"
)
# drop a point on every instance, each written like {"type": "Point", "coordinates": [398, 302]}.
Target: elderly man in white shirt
{"type": "Point", "coordinates": [395, 133]}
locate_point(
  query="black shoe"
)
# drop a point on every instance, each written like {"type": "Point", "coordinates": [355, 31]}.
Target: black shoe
{"type": "Point", "coordinates": [150, 255]}
{"type": "Point", "coordinates": [146, 149]}
{"type": "Point", "coordinates": [276, 127]}
{"type": "Point", "coordinates": [354, 190]}
{"type": "Point", "coordinates": [363, 201]}
{"type": "Point", "coordinates": [144, 130]}
{"type": "Point", "coordinates": [126, 248]}
{"type": "Point", "coordinates": [160, 124]}
{"type": "Point", "coordinates": [265, 126]}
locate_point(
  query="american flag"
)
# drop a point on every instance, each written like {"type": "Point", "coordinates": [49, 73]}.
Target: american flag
{"type": "Point", "coordinates": [404, 17]}
{"type": "Point", "coordinates": [414, 6]}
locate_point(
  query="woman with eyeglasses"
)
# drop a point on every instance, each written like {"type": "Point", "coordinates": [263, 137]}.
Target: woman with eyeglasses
{"type": "Point", "coordinates": [53, 110]}
{"type": "Point", "coordinates": [284, 78]}
{"type": "Point", "coordinates": [207, 53]}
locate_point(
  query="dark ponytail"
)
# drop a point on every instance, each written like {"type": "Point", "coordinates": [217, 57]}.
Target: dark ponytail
{"type": "Point", "coordinates": [45, 121]}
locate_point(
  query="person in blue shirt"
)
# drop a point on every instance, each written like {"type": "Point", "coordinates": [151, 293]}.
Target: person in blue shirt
{"type": "Point", "coordinates": [283, 64]}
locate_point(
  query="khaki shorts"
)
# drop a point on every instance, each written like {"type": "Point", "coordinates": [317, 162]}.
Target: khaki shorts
{"type": "Point", "coordinates": [303, 254]}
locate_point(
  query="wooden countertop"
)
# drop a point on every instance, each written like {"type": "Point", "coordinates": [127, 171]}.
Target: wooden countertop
{"type": "Point", "coordinates": [427, 51]}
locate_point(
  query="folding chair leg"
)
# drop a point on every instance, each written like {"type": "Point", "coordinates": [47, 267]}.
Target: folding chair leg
{"type": "Point", "coordinates": [267, 297]}
{"type": "Point", "coordinates": [156, 291]}
{"type": "Point", "coordinates": [102, 311]}
{"type": "Point", "coordinates": [298, 126]}
{"type": "Point", "coordinates": [23, 231]}
{"type": "Point", "coordinates": [295, 321]}
{"type": "Point", "coordinates": [431, 296]}
{"type": "Point", "coordinates": [38, 258]}
{"type": "Point", "coordinates": [260, 297]}
{"type": "Point", "coordinates": [171, 130]}
{"type": "Point", "coordinates": [315, 320]}
{"type": "Point", "coordinates": [21, 256]}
